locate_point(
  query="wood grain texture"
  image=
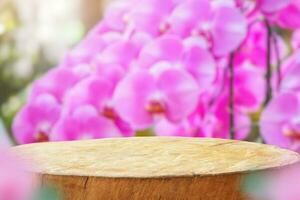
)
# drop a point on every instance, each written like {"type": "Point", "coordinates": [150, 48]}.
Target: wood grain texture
{"type": "Point", "coordinates": [222, 187]}
{"type": "Point", "coordinates": [152, 167]}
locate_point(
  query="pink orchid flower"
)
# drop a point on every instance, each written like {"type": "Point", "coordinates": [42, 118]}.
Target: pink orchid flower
{"type": "Point", "coordinates": [150, 16]}
{"type": "Point", "coordinates": [201, 64]}
{"type": "Point", "coordinates": [171, 51]}
{"type": "Point", "coordinates": [249, 87]}
{"type": "Point", "coordinates": [121, 53]}
{"type": "Point", "coordinates": [35, 121]}
{"type": "Point", "coordinates": [253, 49]}
{"type": "Point", "coordinates": [84, 122]}
{"type": "Point", "coordinates": [93, 90]}
{"type": "Point", "coordinates": [112, 72]}
{"type": "Point", "coordinates": [97, 92]}
{"type": "Point", "coordinates": [229, 29]}
{"type": "Point", "coordinates": [186, 16]}
{"type": "Point", "coordinates": [290, 74]}
{"type": "Point", "coordinates": [296, 40]}
{"type": "Point", "coordinates": [280, 123]}
{"type": "Point", "coordinates": [115, 15]}
{"type": "Point", "coordinates": [91, 46]}
{"type": "Point", "coordinates": [166, 48]}
{"type": "Point", "coordinates": [56, 82]}
{"type": "Point", "coordinates": [289, 17]}
{"type": "Point", "coordinates": [270, 6]}
{"type": "Point", "coordinates": [223, 26]}
{"type": "Point", "coordinates": [218, 120]}
{"type": "Point", "coordinates": [207, 122]}
{"type": "Point", "coordinates": [141, 96]}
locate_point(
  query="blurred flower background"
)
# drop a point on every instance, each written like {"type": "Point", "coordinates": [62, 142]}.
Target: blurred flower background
{"type": "Point", "coordinates": [34, 36]}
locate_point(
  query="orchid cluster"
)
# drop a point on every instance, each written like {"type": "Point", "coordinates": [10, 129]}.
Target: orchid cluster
{"type": "Point", "coordinates": [196, 68]}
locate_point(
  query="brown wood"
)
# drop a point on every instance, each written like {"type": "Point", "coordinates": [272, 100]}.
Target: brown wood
{"type": "Point", "coordinates": [153, 168]}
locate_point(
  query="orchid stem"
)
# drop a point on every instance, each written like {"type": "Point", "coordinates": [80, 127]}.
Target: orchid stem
{"type": "Point", "coordinates": [268, 77]}
{"type": "Point", "coordinates": [231, 97]}
{"type": "Point", "coordinates": [278, 61]}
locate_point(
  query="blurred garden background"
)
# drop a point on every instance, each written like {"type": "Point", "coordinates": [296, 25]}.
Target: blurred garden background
{"type": "Point", "coordinates": [34, 37]}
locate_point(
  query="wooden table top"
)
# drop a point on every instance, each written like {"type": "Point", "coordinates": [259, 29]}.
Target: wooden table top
{"type": "Point", "coordinates": [144, 157]}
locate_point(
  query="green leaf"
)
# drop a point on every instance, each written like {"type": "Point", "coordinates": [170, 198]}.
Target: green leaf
{"type": "Point", "coordinates": [47, 193]}
{"type": "Point", "coordinates": [256, 186]}
{"type": "Point", "coordinates": [145, 133]}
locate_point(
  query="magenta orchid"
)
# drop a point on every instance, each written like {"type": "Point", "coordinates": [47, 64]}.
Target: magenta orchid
{"type": "Point", "coordinates": [296, 39]}
{"type": "Point", "coordinates": [207, 122]}
{"type": "Point", "coordinates": [280, 124]}
{"type": "Point", "coordinates": [289, 17]}
{"type": "Point", "coordinates": [253, 49]}
{"type": "Point", "coordinates": [56, 83]}
{"type": "Point", "coordinates": [223, 27]}
{"type": "Point", "coordinates": [269, 6]}
{"type": "Point", "coordinates": [83, 123]}
{"type": "Point", "coordinates": [36, 120]}
{"type": "Point", "coordinates": [149, 16]}
{"type": "Point", "coordinates": [141, 96]}
{"type": "Point", "coordinates": [290, 80]}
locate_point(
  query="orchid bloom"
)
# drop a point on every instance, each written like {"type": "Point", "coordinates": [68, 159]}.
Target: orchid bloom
{"type": "Point", "coordinates": [270, 6]}
{"type": "Point", "coordinates": [249, 93]}
{"type": "Point", "coordinates": [289, 17]}
{"type": "Point", "coordinates": [207, 122]}
{"type": "Point", "coordinates": [296, 39]}
{"type": "Point", "coordinates": [115, 15]}
{"type": "Point", "coordinates": [166, 48]}
{"type": "Point", "coordinates": [222, 26]}
{"type": "Point", "coordinates": [280, 122]}
{"type": "Point", "coordinates": [150, 16]}
{"type": "Point", "coordinates": [186, 54]}
{"type": "Point", "coordinates": [35, 121]}
{"type": "Point", "coordinates": [291, 72]}
{"type": "Point", "coordinates": [56, 83]}
{"type": "Point", "coordinates": [121, 52]}
{"type": "Point", "coordinates": [141, 96]}
{"type": "Point", "coordinates": [96, 93]}
{"type": "Point", "coordinates": [87, 92]}
{"type": "Point", "coordinates": [84, 122]}
{"type": "Point", "coordinates": [253, 49]}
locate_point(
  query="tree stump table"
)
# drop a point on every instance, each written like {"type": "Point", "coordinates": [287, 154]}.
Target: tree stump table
{"type": "Point", "coordinates": [152, 167]}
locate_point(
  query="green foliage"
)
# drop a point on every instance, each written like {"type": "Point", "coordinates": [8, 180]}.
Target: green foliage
{"type": "Point", "coordinates": [11, 84]}
{"type": "Point", "coordinates": [256, 185]}
{"type": "Point", "coordinates": [8, 54]}
{"type": "Point", "coordinates": [145, 133]}
{"type": "Point", "coordinates": [47, 193]}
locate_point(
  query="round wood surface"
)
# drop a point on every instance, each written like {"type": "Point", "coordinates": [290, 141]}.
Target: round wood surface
{"type": "Point", "coordinates": [150, 157]}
